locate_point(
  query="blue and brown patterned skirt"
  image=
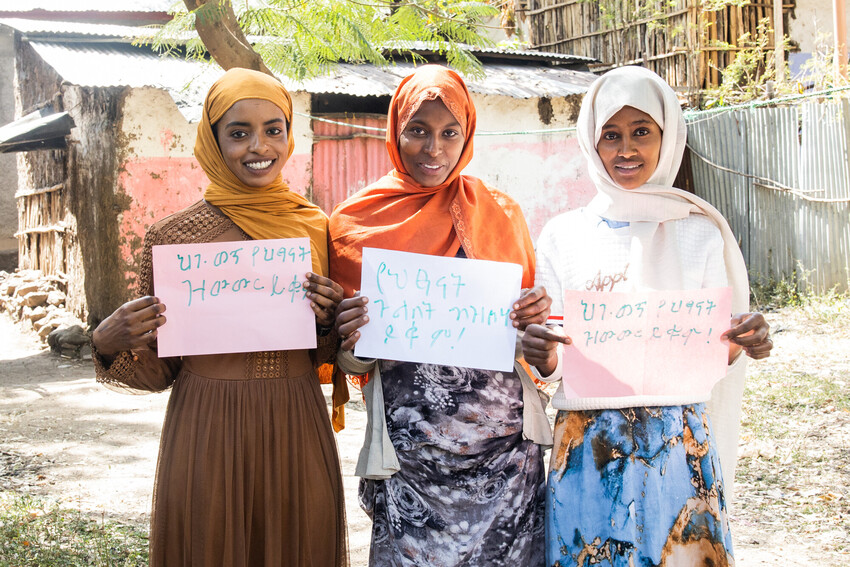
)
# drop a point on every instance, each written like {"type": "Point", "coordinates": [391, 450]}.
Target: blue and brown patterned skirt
{"type": "Point", "coordinates": [470, 490]}
{"type": "Point", "coordinates": [636, 487]}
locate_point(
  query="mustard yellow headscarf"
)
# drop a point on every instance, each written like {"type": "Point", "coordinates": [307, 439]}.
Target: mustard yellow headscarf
{"type": "Point", "coordinates": [272, 211]}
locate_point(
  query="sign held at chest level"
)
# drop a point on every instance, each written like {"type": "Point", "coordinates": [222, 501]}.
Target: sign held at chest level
{"type": "Point", "coordinates": [432, 309]}
{"type": "Point", "coordinates": [659, 343]}
{"type": "Point", "coordinates": [244, 296]}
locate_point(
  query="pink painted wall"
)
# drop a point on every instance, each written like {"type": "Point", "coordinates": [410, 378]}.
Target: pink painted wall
{"type": "Point", "coordinates": [546, 177]}
{"type": "Point", "coordinates": [159, 186]}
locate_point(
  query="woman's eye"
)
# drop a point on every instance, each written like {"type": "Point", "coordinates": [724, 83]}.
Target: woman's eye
{"type": "Point", "coordinates": [609, 136]}
{"type": "Point", "coordinates": [238, 134]}
{"type": "Point", "coordinates": [417, 131]}
{"type": "Point", "coordinates": [451, 133]}
{"type": "Point", "coordinates": [642, 132]}
{"type": "Point", "coordinates": [274, 131]}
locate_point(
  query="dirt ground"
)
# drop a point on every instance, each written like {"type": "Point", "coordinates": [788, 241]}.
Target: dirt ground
{"type": "Point", "coordinates": [68, 438]}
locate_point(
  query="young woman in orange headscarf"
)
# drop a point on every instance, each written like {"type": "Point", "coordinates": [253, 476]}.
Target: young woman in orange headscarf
{"type": "Point", "coordinates": [452, 469]}
{"type": "Point", "coordinates": [248, 472]}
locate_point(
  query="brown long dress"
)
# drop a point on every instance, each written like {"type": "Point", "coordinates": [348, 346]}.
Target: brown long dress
{"type": "Point", "coordinates": [248, 472]}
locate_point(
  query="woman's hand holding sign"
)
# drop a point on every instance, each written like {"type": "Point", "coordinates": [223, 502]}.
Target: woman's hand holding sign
{"type": "Point", "coordinates": [133, 325]}
{"type": "Point", "coordinates": [749, 331]}
{"type": "Point", "coordinates": [531, 308]}
{"type": "Point", "coordinates": [351, 315]}
{"type": "Point", "coordinates": [324, 295]}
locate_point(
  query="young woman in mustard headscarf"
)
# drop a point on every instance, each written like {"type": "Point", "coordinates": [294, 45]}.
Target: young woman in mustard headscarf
{"type": "Point", "coordinates": [452, 466]}
{"type": "Point", "coordinates": [248, 472]}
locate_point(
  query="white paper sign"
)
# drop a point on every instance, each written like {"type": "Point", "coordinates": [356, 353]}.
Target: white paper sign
{"type": "Point", "coordinates": [438, 310]}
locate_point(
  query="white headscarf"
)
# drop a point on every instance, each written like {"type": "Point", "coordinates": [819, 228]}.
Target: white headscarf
{"type": "Point", "coordinates": [656, 201]}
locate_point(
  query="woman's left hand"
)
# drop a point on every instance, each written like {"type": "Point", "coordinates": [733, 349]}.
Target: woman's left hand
{"type": "Point", "coordinates": [752, 333]}
{"type": "Point", "coordinates": [324, 295]}
{"type": "Point", "coordinates": [532, 307]}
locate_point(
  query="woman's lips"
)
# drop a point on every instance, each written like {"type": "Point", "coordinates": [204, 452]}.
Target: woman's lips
{"type": "Point", "coordinates": [259, 165]}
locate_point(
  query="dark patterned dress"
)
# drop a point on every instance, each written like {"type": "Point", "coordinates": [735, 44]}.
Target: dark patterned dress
{"type": "Point", "coordinates": [636, 487]}
{"type": "Point", "coordinates": [470, 490]}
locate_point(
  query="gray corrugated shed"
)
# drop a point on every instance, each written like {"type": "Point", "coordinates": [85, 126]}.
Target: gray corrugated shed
{"type": "Point", "coordinates": [48, 30]}
{"type": "Point", "coordinates": [109, 65]}
{"type": "Point", "coordinates": [124, 65]}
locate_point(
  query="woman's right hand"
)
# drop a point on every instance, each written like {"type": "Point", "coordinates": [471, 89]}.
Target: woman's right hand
{"type": "Point", "coordinates": [540, 346]}
{"type": "Point", "coordinates": [132, 325]}
{"type": "Point", "coordinates": [350, 316]}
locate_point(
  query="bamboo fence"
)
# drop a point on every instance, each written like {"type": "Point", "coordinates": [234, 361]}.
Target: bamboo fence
{"type": "Point", "coordinates": [685, 43]}
{"type": "Point", "coordinates": [42, 229]}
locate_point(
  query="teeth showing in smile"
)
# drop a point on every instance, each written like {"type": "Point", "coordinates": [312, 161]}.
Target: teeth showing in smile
{"type": "Point", "coordinates": [259, 164]}
{"type": "Point", "coordinates": [432, 167]}
{"type": "Point", "coordinates": [628, 166]}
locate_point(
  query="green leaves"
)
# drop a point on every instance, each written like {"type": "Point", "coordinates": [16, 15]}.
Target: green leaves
{"type": "Point", "coordinates": [303, 39]}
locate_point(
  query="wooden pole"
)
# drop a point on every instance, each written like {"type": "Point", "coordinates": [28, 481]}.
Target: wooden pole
{"type": "Point", "coordinates": [840, 38]}
{"type": "Point", "coordinates": [779, 40]}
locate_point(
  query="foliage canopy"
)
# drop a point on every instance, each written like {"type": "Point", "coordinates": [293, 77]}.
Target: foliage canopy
{"type": "Point", "coordinates": [303, 39]}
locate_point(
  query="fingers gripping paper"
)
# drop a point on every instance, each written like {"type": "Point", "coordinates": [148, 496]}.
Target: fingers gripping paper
{"type": "Point", "coordinates": [438, 310]}
{"type": "Point", "coordinates": [234, 296]}
{"type": "Point", "coordinates": [664, 343]}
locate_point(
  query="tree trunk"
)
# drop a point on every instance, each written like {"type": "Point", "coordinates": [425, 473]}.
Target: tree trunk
{"type": "Point", "coordinates": [219, 30]}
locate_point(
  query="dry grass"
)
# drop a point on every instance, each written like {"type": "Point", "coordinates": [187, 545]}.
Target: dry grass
{"type": "Point", "coordinates": [793, 477]}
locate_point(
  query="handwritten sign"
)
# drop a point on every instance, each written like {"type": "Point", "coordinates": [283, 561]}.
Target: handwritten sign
{"type": "Point", "coordinates": [241, 296]}
{"type": "Point", "coordinates": [432, 309]}
{"type": "Point", "coordinates": [664, 343]}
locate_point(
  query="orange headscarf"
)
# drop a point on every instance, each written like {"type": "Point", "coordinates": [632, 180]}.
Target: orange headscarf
{"type": "Point", "coordinates": [398, 213]}
{"type": "Point", "coordinates": [272, 211]}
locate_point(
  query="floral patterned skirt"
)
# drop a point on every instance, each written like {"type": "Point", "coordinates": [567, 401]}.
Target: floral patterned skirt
{"type": "Point", "coordinates": [636, 487]}
{"type": "Point", "coordinates": [470, 490]}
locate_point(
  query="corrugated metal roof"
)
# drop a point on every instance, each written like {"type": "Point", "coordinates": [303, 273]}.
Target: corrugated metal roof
{"type": "Point", "coordinates": [48, 29]}
{"type": "Point", "coordinates": [517, 81]}
{"type": "Point", "coordinates": [124, 65]}
{"type": "Point", "coordinates": [94, 5]}
{"type": "Point", "coordinates": [502, 53]}
{"type": "Point", "coordinates": [188, 81]}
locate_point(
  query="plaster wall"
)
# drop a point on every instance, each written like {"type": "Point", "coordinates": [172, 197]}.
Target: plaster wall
{"type": "Point", "coordinates": [813, 17]}
{"type": "Point", "coordinates": [8, 163]}
{"type": "Point", "coordinates": [544, 173]}
{"type": "Point", "coordinates": [158, 174]}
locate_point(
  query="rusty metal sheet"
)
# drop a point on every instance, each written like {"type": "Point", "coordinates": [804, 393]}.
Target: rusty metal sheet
{"type": "Point", "coordinates": [346, 159]}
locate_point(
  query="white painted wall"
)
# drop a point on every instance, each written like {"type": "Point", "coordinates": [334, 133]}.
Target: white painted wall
{"type": "Point", "coordinates": [153, 127]}
{"type": "Point", "coordinates": [545, 173]}
{"type": "Point", "coordinates": [813, 17]}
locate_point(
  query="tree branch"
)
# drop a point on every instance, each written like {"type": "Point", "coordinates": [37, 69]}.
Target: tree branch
{"type": "Point", "coordinates": [219, 29]}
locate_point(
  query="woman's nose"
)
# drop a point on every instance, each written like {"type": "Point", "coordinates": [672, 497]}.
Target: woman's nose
{"type": "Point", "coordinates": [432, 146]}
{"type": "Point", "coordinates": [256, 143]}
{"type": "Point", "coordinates": [627, 148]}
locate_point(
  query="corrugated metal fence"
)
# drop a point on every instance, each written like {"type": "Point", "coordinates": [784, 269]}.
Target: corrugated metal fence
{"type": "Point", "coordinates": [781, 176]}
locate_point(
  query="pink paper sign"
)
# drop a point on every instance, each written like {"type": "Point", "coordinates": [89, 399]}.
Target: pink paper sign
{"type": "Point", "coordinates": [664, 343]}
{"type": "Point", "coordinates": [241, 296]}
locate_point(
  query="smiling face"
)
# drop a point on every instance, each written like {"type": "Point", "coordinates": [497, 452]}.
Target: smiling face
{"type": "Point", "coordinates": [629, 147]}
{"type": "Point", "coordinates": [253, 140]}
{"type": "Point", "coordinates": [431, 143]}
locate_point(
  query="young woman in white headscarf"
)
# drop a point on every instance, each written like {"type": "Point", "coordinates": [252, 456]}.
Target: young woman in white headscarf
{"type": "Point", "coordinates": [638, 481]}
